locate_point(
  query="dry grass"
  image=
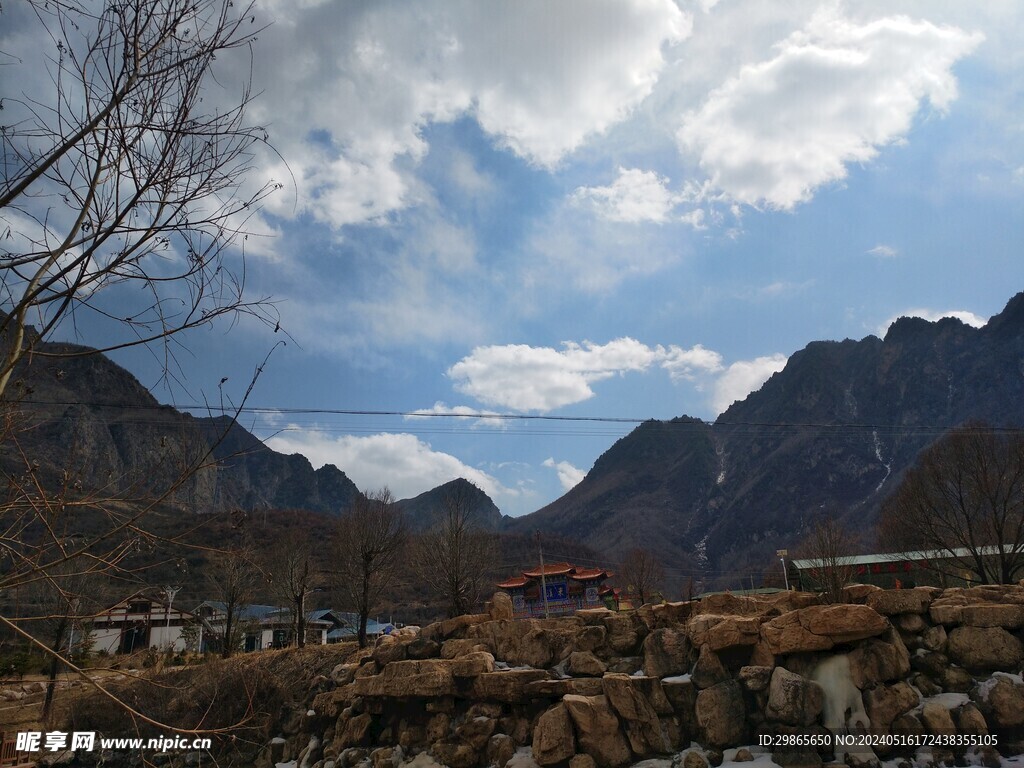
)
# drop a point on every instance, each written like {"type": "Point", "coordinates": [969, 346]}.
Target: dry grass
{"type": "Point", "coordinates": [240, 702]}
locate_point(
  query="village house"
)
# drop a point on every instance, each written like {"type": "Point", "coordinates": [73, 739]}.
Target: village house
{"type": "Point", "coordinates": [139, 622]}
{"type": "Point", "coordinates": [567, 588]}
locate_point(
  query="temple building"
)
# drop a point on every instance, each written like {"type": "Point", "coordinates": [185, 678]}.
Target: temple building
{"type": "Point", "coordinates": [569, 588]}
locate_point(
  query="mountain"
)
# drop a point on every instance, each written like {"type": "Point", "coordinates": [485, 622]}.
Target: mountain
{"type": "Point", "coordinates": [836, 429]}
{"type": "Point", "coordinates": [420, 510]}
{"type": "Point", "coordinates": [84, 413]}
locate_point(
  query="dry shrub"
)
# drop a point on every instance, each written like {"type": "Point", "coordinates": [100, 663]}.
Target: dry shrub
{"type": "Point", "coordinates": [241, 701]}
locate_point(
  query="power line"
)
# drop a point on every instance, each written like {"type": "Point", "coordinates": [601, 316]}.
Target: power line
{"type": "Point", "coordinates": [741, 427]}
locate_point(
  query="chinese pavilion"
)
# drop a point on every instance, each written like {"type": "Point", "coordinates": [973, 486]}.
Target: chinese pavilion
{"type": "Point", "coordinates": [568, 588]}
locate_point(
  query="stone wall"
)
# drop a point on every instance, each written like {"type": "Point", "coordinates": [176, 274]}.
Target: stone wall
{"type": "Point", "coordinates": [609, 689]}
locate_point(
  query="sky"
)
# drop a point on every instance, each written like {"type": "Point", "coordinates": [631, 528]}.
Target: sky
{"type": "Point", "coordinates": [618, 209]}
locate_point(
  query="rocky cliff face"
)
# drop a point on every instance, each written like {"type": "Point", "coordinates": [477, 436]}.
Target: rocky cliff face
{"type": "Point", "coordinates": [835, 429]}
{"type": "Point", "coordinates": [91, 418]}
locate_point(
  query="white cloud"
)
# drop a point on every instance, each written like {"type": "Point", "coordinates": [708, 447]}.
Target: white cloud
{"type": "Point", "coordinates": [402, 462]}
{"type": "Point", "coordinates": [931, 315]}
{"type": "Point", "coordinates": [361, 84]}
{"type": "Point", "coordinates": [635, 196]}
{"type": "Point", "coordinates": [541, 378]}
{"type": "Point", "coordinates": [568, 475]}
{"type": "Point", "coordinates": [883, 251]}
{"type": "Point", "coordinates": [686, 364]}
{"type": "Point", "coordinates": [442, 410]}
{"type": "Point", "coordinates": [742, 378]}
{"type": "Point", "coordinates": [833, 94]}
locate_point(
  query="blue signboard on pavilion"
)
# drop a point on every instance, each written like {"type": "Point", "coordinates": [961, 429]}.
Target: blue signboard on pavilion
{"type": "Point", "coordinates": [556, 591]}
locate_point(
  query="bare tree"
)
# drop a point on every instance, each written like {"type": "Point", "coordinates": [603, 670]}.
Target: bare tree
{"type": "Point", "coordinates": [642, 573]}
{"type": "Point", "coordinates": [830, 545]}
{"type": "Point", "coordinates": [293, 573]}
{"type": "Point", "coordinates": [123, 200]}
{"type": "Point", "coordinates": [234, 578]}
{"type": "Point", "coordinates": [963, 502]}
{"type": "Point", "coordinates": [456, 557]}
{"type": "Point", "coordinates": [371, 536]}
{"type": "Point", "coordinates": [131, 172]}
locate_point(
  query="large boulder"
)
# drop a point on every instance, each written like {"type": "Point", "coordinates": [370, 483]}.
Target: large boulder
{"type": "Point", "coordinates": [1002, 699]}
{"type": "Point", "coordinates": [420, 678]}
{"type": "Point", "coordinates": [879, 661]}
{"type": "Point", "coordinates": [666, 653]}
{"type": "Point", "coordinates": [708, 670]}
{"type": "Point", "coordinates": [643, 728]}
{"type": "Point", "coordinates": [890, 602]}
{"type": "Point", "coordinates": [820, 628]}
{"type": "Point", "coordinates": [585, 664]}
{"type": "Point", "coordinates": [598, 730]}
{"type": "Point", "coordinates": [721, 632]}
{"type": "Point", "coordinates": [985, 648]}
{"type": "Point", "coordinates": [508, 686]}
{"type": "Point", "coordinates": [721, 714]}
{"type": "Point", "coordinates": [553, 737]}
{"type": "Point", "coordinates": [500, 607]}
{"type": "Point", "coordinates": [793, 699]}
{"type": "Point", "coordinates": [1007, 616]}
{"type": "Point", "coordinates": [884, 703]}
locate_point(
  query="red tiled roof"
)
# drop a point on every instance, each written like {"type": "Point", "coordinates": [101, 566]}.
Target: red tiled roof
{"type": "Point", "coordinates": [512, 583]}
{"type": "Point", "coordinates": [586, 574]}
{"type": "Point", "coordinates": [552, 569]}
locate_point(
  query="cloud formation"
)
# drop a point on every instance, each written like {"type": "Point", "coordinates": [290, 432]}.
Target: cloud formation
{"type": "Point", "coordinates": [568, 475]}
{"type": "Point", "coordinates": [635, 196]}
{"type": "Point", "coordinates": [402, 462]}
{"type": "Point", "coordinates": [351, 107]}
{"type": "Point", "coordinates": [834, 94]}
{"type": "Point", "coordinates": [541, 379]}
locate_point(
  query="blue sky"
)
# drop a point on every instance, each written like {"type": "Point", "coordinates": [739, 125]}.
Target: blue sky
{"type": "Point", "coordinates": [632, 209]}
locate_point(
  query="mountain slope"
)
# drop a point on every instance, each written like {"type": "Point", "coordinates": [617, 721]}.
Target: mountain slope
{"type": "Point", "coordinates": [88, 415]}
{"type": "Point", "coordinates": [835, 429]}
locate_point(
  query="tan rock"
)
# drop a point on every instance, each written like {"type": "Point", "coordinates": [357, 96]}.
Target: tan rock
{"type": "Point", "coordinates": [475, 731]}
{"type": "Point", "coordinates": [556, 689]}
{"type": "Point", "coordinates": [666, 652]}
{"type": "Point", "coordinates": [755, 678]}
{"type": "Point", "coordinates": [721, 714]}
{"type": "Point", "coordinates": [500, 607]}
{"type": "Point", "coordinates": [622, 636]}
{"type": "Point", "coordinates": [598, 730]}
{"type": "Point", "coordinates": [985, 648]}
{"type": "Point", "coordinates": [553, 737]}
{"type": "Point", "coordinates": [454, 754]}
{"type": "Point", "coordinates": [424, 678]}
{"type": "Point", "coordinates": [590, 638]}
{"type": "Point", "coordinates": [1003, 699]}
{"type": "Point", "coordinates": [970, 720]}
{"type": "Point", "coordinates": [643, 728]}
{"type": "Point", "coordinates": [890, 602]}
{"type": "Point", "coordinates": [582, 761]}
{"type": "Point", "coordinates": [356, 732]}
{"type": "Point", "coordinates": [793, 699]}
{"type": "Point", "coordinates": [708, 670]}
{"type": "Point", "coordinates": [1009, 616]}
{"type": "Point", "coordinates": [878, 661]}
{"type": "Point", "coordinates": [442, 630]}
{"type": "Point", "coordinates": [456, 647]}
{"type": "Point", "coordinates": [934, 639]}
{"type": "Point", "coordinates": [937, 719]}
{"type": "Point", "coordinates": [694, 759]}
{"type": "Point", "coordinates": [820, 627]}
{"type": "Point", "coordinates": [884, 703]}
{"type": "Point", "coordinates": [500, 748]}
{"type": "Point", "coordinates": [721, 632]}
{"type": "Point", "coordinates": [472, 664]}
{"type": "Point", "coordinates": [858, 593]}
{"type": "Point", "coordinates": [508, 686]}
{"type": "Point", "coordinates": [947, 609]}
{"type": "Point", "coordinates": [584, 664]}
